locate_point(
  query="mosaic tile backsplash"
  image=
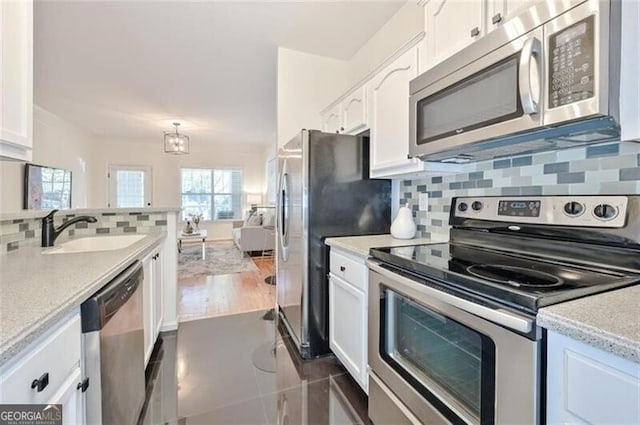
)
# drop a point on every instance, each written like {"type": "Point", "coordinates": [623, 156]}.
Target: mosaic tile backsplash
{"type": "Point", "coordinates": [19, 233]}
{"type": "Point", "coordinates": [612, 168]}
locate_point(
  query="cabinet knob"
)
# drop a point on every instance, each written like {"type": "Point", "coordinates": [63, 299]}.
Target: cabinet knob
{"type": "Point", "coordinates": [475, 32]}
{"type": "Point", "coordinates": [83, 385]}
{"type": "Point", "coordinates": [41, 383]}
{"type": "Point", "coordinates": [341, 128]}
{"type": "Point", "coordinates": [342, 268]}
{"type": "Point", "coordinates": [497, 18]}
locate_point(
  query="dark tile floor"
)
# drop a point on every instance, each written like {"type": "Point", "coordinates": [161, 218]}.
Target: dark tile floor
{"type": "Point", "coordinates": [241, 370]}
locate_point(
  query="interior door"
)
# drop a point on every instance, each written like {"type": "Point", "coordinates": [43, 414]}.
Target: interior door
{"type": "Point", "coordinates": [129, 186]}
{"type": "Point", "coordinates": [291, 249]}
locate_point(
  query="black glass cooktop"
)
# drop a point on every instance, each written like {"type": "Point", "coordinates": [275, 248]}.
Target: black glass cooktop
{"type": "Point", "coordinates": [519, 281]}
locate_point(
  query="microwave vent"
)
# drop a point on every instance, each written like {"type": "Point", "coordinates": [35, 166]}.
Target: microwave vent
{"type": "Point", "coordinates": [596, 130]}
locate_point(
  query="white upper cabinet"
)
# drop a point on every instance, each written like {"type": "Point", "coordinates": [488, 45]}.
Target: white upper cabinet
{"type": "Point", "coordinates": [389, 92]}
{"type": "Point", "coordinates": [332, 120]}
{"type": "Point", "coordinates": [354, 111]}
{"type": "Point", "coordinates": [16, 79]}
{"type": "Point", "coordinates": [452, 25]}
{"type": "Point", "coordinates": [500, 11]}
{"type": "Point", "coordinates": [389, 118]}
{"type": "Point", "coordinates": [349, 115]}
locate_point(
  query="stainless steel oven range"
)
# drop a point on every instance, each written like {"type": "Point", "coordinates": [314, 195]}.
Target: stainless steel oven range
{"type": "Point", "coordinates": [452, 326]}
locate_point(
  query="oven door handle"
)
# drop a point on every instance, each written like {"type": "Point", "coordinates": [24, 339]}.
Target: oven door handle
{"type": "Point", "coordinates": [502, 317]}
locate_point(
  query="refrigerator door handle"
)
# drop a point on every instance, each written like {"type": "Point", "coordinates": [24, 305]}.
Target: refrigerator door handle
{"type": "Point", "coordinates": [285, 210]}
{"type": "Point", "coordinates": [282, 212]}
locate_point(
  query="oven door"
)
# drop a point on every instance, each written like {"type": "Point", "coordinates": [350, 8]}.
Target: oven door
{"type": "Point", "coordinates": [496, 95]}
{"type": "Point", "coordinates": [444, 361]}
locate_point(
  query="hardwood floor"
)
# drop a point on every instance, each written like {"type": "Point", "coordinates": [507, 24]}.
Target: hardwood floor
{"type": "Point", "coordinates": [212, 296]}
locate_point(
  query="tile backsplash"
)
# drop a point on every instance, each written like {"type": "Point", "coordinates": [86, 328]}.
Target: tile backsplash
{"type": "Point", "coordinates": [19, 233]}
{"type": "Point", "coordinates": [612, 168]}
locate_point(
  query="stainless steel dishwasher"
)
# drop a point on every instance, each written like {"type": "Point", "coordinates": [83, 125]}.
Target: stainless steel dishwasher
{"type": "Point", "coordinates": [113, 345]}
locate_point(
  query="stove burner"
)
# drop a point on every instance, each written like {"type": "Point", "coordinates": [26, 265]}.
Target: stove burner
{"type": "Point", "coordinates": [515, 276]}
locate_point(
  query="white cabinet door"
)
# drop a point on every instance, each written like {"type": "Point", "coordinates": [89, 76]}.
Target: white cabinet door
{"type": "Point", "coordinates": [348, 327]}
{"type": "Point", "coordinates": [500, 11]}
{"type": "Point", "coordinates": [71, 399]}
{"type": "Point", "coordinates": [389, 92]}
{"type": "Point", "coordinates": [158, 294]}
{"type": "Point", "coordinates": [354, 111]}
{"type": "Point", "coordinates": [331, 120]}
{"type": "Point", "coordinates": [53, 358]}
{"type": "Point", "coordinates": [152, 300]}
{"type": "Point", "coordinates": [452, 25]}
{"type": "Point", "coordinates": [16, 79]}
{"type": "Point", "coordinates": [147, 305]}
{"type": "Point", "coordinates": [586, 385]}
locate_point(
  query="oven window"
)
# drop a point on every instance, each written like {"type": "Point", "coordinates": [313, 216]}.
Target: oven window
{"type": "Point", "coordinates": [485, 98]}
{"type": "Point", "coordinates": [444, 360]}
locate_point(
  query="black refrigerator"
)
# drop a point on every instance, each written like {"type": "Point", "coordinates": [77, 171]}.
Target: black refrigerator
{"type": "Point", "coordinates": [323, 191]}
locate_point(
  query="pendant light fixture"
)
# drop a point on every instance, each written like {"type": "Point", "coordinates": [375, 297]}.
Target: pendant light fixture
{"type": "Point", "coordinates": [176, 143]}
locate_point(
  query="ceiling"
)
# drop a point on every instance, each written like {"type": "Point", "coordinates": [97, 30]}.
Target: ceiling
{"type": "Point", "coordinates": [129, 69]}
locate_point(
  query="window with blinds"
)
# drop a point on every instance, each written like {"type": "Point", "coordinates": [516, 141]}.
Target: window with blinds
{"type": "Point", "coordinates": [216, 194]}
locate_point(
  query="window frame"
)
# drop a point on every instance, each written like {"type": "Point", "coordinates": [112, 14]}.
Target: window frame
{"type": "Point", "coordinates": [213, 193]}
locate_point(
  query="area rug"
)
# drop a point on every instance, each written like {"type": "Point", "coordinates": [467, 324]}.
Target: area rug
{"type": "Point", "coordinates": [221, 258]}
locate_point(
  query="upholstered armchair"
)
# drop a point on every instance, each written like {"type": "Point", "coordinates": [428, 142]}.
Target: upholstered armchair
{"type": "Point", "coordinates": [256, 233]}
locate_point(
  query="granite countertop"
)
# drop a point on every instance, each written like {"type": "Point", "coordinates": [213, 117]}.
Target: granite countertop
{"type": "Point", "coordinates": [30, 214]}
{"type": "Point", "coordinates": [38, 290]}
{"type": "Point", "coordinates": [608, 321]}
{"type": "Point", "coordinates": [360, 245]}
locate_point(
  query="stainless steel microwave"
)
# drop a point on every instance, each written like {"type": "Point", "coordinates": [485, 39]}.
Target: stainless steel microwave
{"type": "Point", "coordinates": [547, 79]}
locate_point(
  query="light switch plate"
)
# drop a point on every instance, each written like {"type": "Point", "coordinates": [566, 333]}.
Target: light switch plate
{"type": "Point", "coordinates": [423, 202]}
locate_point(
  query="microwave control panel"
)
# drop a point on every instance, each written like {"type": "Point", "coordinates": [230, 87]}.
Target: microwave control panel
{"type": "Point", "coordinates": [571, 63]}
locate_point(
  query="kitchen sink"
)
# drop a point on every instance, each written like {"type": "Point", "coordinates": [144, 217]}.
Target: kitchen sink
{"type": "Point", "coordinates": [95, 243]}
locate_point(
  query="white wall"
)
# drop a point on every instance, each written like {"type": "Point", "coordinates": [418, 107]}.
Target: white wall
{"type": "Point", "coordinates": [406, 23]}
{"type": "Point", "coordinates": [306, 84]}
{"type": "Point", "coordinates": [56, 143]}
{"type": "Point", "coordinates": [166, 170]}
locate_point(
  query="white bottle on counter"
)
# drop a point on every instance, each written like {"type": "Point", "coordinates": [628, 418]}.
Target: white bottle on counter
{"type": "Point", "coordinates": [403, 226]}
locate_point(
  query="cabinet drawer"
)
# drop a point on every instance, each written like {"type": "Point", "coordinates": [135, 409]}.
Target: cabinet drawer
{"type": "Point", "coordinates": [57, 354]}
{"type": "Point", "coordinates": [349, 269]}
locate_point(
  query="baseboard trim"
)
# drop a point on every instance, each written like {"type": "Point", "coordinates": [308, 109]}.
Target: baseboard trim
{"type": "Point", "coordinates": [169, 326]}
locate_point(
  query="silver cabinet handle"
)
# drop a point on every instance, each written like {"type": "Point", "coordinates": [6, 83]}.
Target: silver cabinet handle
{"type": "Point", "coordinates": [532, 47]}
{"type": "Point", "coordinates": [497, 18]}
{"type": "Point", "coordinates": [475, 32]}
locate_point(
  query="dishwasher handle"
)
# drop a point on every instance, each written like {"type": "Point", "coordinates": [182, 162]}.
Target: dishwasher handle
{"type": "Point", "coordinates": [100, 307]}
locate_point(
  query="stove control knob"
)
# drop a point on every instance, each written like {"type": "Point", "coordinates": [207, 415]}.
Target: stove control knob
{"type": "Point", "coordinates": [573, 208]}
{"type": "Point", "coordinates": [477, 205]}
{"type": "Point", "coordinates": [462, 206]}
{"type": "Point", "coordinates": [605, 212]}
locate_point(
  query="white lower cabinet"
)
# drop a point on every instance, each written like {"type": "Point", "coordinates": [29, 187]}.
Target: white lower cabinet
{"type": "Point", "coordinates": [348, 314]}
{"type": "Point", "coordinates": [48, 372]}
{"type": "Point", "coordinates": [586, 385]}
{"type": "Point", "coordinates": [152, 300]}
{"type": "Point", "coordinates": [70, 397]}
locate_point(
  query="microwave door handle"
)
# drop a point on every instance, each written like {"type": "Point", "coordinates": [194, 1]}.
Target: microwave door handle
{"type": "Point", "coordinates": [532, 48]}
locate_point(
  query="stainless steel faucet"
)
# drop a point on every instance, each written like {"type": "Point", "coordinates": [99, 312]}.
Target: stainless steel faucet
{"type": "Point", "coordinates": [50, 233]}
